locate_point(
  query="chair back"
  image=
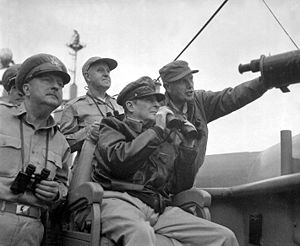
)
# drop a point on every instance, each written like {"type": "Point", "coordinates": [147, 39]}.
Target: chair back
{"type": "Point", "coordinates": [83, 166]}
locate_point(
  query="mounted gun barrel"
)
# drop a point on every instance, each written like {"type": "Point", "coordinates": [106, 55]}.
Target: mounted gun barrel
{"type": "Point", "coordinates": [278, 70]}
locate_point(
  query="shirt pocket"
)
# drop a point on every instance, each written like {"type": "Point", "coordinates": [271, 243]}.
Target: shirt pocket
{"type": "Point", "coordinates": [53, 162]}
{"type": "Point", "coordinates": [10, 154]}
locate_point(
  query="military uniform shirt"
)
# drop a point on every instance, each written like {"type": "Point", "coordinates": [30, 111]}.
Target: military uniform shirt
{"type": "Point", "coordinates": [80, 113]}
{"type": "Point", "coordinates": [34, 153]}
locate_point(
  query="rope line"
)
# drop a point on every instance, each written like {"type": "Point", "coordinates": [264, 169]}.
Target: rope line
{"type": "Point", "coordinates": [204, 26]}
{"type": "Point", "coordinates": [197, 34]}
{"type": "Point", "coordinates": [280, 24]}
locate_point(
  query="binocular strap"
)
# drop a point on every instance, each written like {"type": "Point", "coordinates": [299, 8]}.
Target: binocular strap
{"type": "Point", "coordinates": [23, 145]}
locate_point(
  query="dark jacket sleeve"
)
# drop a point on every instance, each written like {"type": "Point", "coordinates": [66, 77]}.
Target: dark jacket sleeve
{"type": "Point", "coordinates": [122, 149]}
{"type": "Point", "coordinates": [185, 171]}
{"type": "Point", "coordinates": [218, 104]}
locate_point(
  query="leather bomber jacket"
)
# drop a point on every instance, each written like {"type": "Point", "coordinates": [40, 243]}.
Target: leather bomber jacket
{"type": "Point", "coordinates": [131, 158]}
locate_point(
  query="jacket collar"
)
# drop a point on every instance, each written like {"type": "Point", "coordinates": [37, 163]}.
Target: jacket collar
{"type": "Point", "coordinates": [137, 125]}
{"type": "Point", "coordinates": [134, 124]}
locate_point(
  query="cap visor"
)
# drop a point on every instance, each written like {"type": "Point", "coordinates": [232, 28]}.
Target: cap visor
{"type": "Point", "coordinates": [52, 69]}
{"type": "Point", "coordinates": [111, 63]}
{"type": "Point", "coordinates": [159, 96]}
{"type": "Point", "coordinates": [180, 76]}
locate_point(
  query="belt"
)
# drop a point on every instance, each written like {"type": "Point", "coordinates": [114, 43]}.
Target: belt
{"type": "Point", "coordinates": [154, 200]}
{"type": "Point", "coordinates": [20, 209]}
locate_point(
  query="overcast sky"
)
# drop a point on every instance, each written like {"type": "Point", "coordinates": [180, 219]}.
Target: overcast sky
{"type": "Point", "coordinates": [145, 35]}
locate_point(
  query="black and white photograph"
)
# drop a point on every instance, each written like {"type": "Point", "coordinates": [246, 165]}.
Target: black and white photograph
{"type": "Point", "coordinates": [149, 122]}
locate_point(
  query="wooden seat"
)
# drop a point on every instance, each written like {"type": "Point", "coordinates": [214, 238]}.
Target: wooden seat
{"type": "Point", "coordinates": [85, 197]}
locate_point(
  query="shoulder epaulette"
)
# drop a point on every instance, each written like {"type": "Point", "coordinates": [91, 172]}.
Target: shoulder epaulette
{"type": "Point", "coordinates": [74, 100]}
{"type": "Point", "coordinates": [7, 104]}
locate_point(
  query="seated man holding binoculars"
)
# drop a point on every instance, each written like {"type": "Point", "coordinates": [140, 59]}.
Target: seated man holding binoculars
{"type": "Point", "coordinates": [141, 162]}
{"type": "Point", "coordinates": [34, 154]}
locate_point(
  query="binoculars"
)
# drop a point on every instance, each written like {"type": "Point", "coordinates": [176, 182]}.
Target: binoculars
{"type": "Point", "coordinates": [185, 127]}
{"type": "Point", "coordinates": [115, 114]}
{"type": "Point", "coordinates": [22, 181]}
{"type": "Point", "coordinates": [278, 70]}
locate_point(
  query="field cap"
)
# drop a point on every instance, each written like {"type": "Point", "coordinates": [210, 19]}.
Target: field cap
{"type": "Point", "coordinates": [111, 63]}
{"type": "Point", "coordinates": [9, 76]}
{"type": "Point", "coordinates": [175, 70]}
{"type": "Point", "coordinates": [39, 64]}
{"type": "Point", "coordinates": [141, 88]}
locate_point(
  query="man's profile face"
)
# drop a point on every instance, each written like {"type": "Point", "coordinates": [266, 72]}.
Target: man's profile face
{"type": "Point", "coordinates": [181, 90]}
{"type": "Point", "coordinates": [98, 76]}
{"type": "Point", "coordinates": [145, 109]}
{"type": "Point", "coordinates": [45, 89]}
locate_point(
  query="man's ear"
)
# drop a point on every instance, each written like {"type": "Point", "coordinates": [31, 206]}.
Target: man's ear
{"type": "Point", "coordinates": [129, 106]}
{"type": "Point", "coordinates": [26, 89]}
{"type": "Point", "coordinates": [87, 77]}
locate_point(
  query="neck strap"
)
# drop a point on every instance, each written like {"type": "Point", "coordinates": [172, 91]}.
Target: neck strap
{"type": "Point", "coordinates": [103, 102]}
{"type": "Point", "coordinates": [23, 146]}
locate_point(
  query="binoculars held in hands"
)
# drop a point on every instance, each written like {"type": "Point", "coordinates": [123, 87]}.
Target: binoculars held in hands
{"type": "Point", "coordinates": [278, 70]}
{"type": "Point", "coordinates": [23, 179]}
{"type": "Point", "coordinates": [185, 127]}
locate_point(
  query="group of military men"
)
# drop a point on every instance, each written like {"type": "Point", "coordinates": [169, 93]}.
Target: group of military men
{"type": "Point", "coordinates": [141, 160]}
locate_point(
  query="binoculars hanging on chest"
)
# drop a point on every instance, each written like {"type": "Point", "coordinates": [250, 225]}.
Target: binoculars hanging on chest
{"type": "Point", "coordinates": [115, 114]}
{"type": "Point", "coordinates": [278, 70]}
{"type": "Point", "coordinates": [23, 179]}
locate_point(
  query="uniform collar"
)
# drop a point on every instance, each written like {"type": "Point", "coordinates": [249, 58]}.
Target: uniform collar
{"type": "Point", "coordinates": [8, 104]}
{"type": "Point", "coordinates": [170, 103]}
{"type": "Point", "coordinates": [21, 113]}
{"type": "Point", "coordinates": [90, 100]}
